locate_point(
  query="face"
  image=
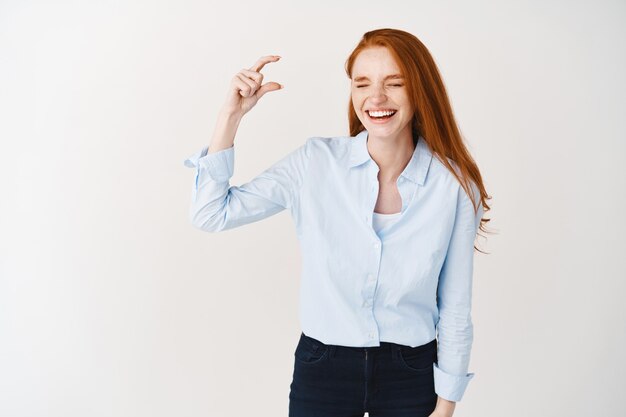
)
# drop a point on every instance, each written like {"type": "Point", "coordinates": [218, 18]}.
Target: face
{"type": "Point", "coordinates": [378, 85]}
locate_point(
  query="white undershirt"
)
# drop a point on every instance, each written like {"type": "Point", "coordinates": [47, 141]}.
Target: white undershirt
{"type": "Point", "coordinates": [381, 220]}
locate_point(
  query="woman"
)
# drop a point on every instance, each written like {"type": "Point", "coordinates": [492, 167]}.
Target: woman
{"type": "Point", "coordinates": [386, 218]}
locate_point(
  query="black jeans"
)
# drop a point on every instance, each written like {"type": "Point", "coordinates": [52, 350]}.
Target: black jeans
{"type": "Point", "coordinates": [389, 380]}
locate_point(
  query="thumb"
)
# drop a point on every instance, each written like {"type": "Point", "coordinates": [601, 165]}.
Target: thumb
{"type": "Point", "coordinates": [271, 86]}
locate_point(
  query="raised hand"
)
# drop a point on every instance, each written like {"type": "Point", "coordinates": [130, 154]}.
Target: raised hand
{"type": "Point", "coordinates": [246, 89]}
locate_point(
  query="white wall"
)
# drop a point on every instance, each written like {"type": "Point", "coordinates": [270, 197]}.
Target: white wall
{"type": "Point", "coordinates": [111, 304]}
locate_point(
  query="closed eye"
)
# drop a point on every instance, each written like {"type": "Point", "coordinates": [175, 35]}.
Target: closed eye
{"type": "Point", "coordinates": [392, 85]}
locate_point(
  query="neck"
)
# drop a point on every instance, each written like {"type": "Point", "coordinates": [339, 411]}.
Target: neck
{"type": "Point", "coordinates": [391, 154]}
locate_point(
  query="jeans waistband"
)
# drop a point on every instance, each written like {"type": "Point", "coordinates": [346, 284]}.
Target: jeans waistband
{"type": "Point", "coordinates": [384, 346]}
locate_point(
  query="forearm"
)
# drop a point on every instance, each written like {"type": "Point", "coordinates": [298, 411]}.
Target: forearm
{"type": "Point", "coordinates": [444, 408]}
{"type": "Point", "coordinates": [225, 130]}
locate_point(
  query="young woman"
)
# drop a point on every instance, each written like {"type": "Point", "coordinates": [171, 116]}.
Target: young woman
{"type": "Point", "coordinates": [386, 218]}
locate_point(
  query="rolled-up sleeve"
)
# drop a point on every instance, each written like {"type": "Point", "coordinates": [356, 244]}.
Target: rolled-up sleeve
{"type": "Point", "coordinates": [454, 300]}
{"type": "Point", "coordinates": [216, 205]}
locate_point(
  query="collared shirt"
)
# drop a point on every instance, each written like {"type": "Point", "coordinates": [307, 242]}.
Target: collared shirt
{"type": "Point", "coordinates": [406, 284]}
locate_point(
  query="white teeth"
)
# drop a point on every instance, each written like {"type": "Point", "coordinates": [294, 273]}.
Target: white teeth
{"type": "Point", "coordinates": [381, 113]}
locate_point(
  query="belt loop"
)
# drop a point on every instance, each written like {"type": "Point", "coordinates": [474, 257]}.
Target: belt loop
{"type": "Point", "coordinates": [332, 351]}
{"type": "Point", "coordinates": [394, 350]}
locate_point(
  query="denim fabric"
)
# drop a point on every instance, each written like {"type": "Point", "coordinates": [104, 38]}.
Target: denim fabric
{"type": "Point", "coordinates": [390, 380]}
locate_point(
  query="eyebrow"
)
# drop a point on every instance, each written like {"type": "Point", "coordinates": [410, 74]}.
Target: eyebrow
{"type": "Point", "coordinates": [392, 76]}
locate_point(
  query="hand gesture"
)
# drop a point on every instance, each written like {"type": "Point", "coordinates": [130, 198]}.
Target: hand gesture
{"type": "Point", "coordinates": [246, 89]}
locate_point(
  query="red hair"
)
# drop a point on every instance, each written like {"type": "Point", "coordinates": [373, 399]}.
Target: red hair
{"type": "Point", "coordinates": [433, 118]}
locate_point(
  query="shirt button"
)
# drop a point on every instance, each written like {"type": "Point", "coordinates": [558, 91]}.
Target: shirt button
{"type": "Point", "coordinates": [370, 277]}
{"type": "Point", "coordinates": [377, 245]}
{"type": "Point", "coordinates": [371, 335]}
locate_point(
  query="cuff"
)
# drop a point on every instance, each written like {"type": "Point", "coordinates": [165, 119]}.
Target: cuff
{"type": "Point", "coordinates": [450, 387]}
{"type": "Point", "coordinates": [192, 161]}
{"type": "Point", "coordinates": [219, 165]}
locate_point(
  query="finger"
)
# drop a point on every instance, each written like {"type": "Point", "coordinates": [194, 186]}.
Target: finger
{"type": "Point", "coordinates": [258, 66]}
{"type": "Point", "coordinates": [244, 89]}
{"type": "Point", "coordinates": [256, 76]}
{"type": "Point", "coordinates": [253, 86]}
{"type": "Point", "coordinates": [271, 86]}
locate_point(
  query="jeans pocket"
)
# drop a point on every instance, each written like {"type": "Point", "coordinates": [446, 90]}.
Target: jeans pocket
{"type": "Point", "coordinates": [310, 352]}
{"type": "Point", "coordinates": [417, 360]}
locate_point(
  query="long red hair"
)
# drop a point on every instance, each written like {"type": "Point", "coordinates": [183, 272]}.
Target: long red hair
{"type": "Point", "coordinates": [433, 118]}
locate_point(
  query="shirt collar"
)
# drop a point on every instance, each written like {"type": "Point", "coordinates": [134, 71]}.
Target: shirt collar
{"type": "Point", "coordinates": [417, 168]}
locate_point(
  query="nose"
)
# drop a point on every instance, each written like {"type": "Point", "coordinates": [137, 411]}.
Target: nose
{"type": "Point", "coordinates": [378, 94]}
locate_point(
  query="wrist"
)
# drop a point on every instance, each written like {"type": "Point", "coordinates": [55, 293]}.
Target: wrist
{"type": "Point", "coordinates": [230, 116]}
{"type": "Point", "coordinates": [444, 408]}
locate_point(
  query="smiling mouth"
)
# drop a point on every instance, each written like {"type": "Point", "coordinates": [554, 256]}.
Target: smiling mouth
{"type": "Point", "coordinates": [381, 115]}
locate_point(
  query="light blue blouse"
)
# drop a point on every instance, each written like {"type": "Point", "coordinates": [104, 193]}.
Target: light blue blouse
{"type": "Point", "coordinates": [406, 284]}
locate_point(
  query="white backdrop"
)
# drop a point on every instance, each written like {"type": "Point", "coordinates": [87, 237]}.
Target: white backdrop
{"type": "Point", "coordinates": [112, 304]}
